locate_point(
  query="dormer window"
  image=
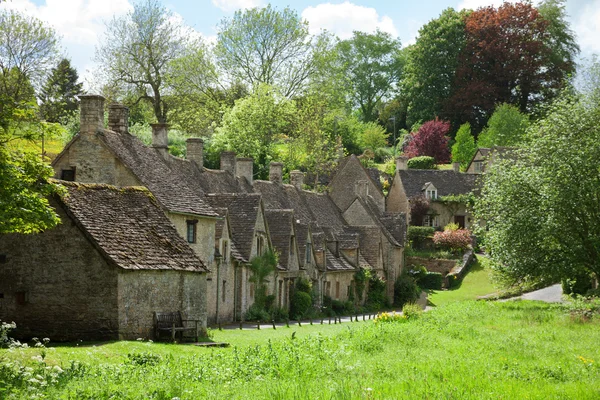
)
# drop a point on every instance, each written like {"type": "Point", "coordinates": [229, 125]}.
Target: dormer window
{"type": "Point", "coordinates": [430, 191]}
{"type": "Point", "coordinates": [191, 230]}
{"type": "Point", "coordinates": [478, 166]}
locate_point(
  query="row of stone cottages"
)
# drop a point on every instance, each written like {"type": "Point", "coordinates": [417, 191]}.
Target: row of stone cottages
{"type": "Point", "coordinates": [144, 231]}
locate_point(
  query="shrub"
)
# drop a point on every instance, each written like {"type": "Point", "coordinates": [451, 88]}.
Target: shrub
{"type": "Point", "coordinates": [304, 285]}
{"type": "Point", "coordinates": [279, 314]}
{"type": "Point", "coordinates": [257, 313]}
{"type": "Point", "coordinates": [412, 311]}
{"type": "Point", "coordinates": [406, 290]}
{"type": "Point", "coordinates": [431, 140]}
{"type": "Point", "coordinates": [418, 234]}
{"type": "Point", "coordinates": [386, 317]}
{"type": "Point", "coordinates": [300, 304]}
{"type": "Point", "coordinates": [431, 281]}
{"type": "Point", "coordinates": [421, 162]}
{"type": "Point", "coordinates": [579, 284]}
{"type": "Point", "coordinates": [376, 298]}
{"type": "Point", "coordinates": [419, 208]}
{"type": "Point", "coordinates": [451, 227]}
{"type": "Point", "coordinates": [458, 240]}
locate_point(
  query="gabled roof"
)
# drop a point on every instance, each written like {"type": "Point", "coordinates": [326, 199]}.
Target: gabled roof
{"type": "Point", "coordinates": [128, 227]}
{"type": "Point", "coordinates": [243, 210]}
{"type": "Point", "coordinates": [392, 224]}
{"type": "Point", "coordinates": [325, 212]}
{"type": "Point", "coordinates": [281, 229]}
{"type": "Point", "coordinates": [174, 181]}
{"type": "Point", "coordinates": [337, 263]}
{"type": "Point", "coordinates": [370, 240]}
{"type": "Point", "coordinates": [446, 182]}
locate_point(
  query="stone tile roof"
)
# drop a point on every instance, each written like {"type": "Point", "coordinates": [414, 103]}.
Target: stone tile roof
{"type": "Point", "coordinates": [393, 224]}
{"type": "Point", "coordinates": [175, 182]}
{"type": "Point", "coordinates": [446, 182]}
{"type": "Point", "coordinates": [217, 181]}
{"type": "Point", "coordinates": [128, 226]}
{"type": "Point", "coordinates": [243, 210]}
{"type": "Point", "coordinates": [337, 263]}
{"type": "Point", "coordinates": [281, 230]}
{"type": "Point", "coordinates": [301, 240]}
{"type": "Point", "coordinates": [326, 213]}
{"type": "Point", "coordinates": [369, 237]}
{"type": "Point", "coordinates": [347, 240]}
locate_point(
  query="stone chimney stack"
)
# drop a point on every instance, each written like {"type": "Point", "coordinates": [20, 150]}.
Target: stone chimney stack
{"type": "Point", "coordinates": [195, 150]}
{"type": "Point", "coordinates": [456, 166]}
{"type": "Point", "coordinates": [228, 162]}
{"type": "Point", "coordinates": [245, 168]}
{"type": "Point", "coordinates": [118, 118]}
{"type": "Point", "coordinates": [401, 163]}
{"type": "Point", "coordinates": [276, 172]}
{"type": "Point", "coordinates": [297, 179]}
{"type": "Point", "coordinates": [92, 113]}
{"type": "Point", "coordinates": [361, 189]}
{"type": "Point", "coordinates": [160, 138]}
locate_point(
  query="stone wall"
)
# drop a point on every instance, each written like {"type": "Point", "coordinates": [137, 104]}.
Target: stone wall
{"type": "Point", "coordinates": [223, 276]}
{"type": "Point", "coordinates": [205, 234]}
{"type": "Point", "coordinates": [396, 200]}
{"type": "Point", "coordinates": [433, 265]}
{"type": "Point", "coordinates": [141, 293]}
{"type": "Point", "coordinates": [55, 284]}
{"type": "Point", "coordinates": [342, 278]}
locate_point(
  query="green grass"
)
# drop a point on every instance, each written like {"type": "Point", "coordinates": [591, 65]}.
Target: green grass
{"type": "Point", "coordinates": [463, 350]}
{"type": "Point", "coordinates": [52, 147]}
{"type": "Point", "coordinates": [478, 282]}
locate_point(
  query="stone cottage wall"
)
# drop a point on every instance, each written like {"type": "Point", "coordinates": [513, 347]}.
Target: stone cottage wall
{"type": "Point", "coordinates": [55, 284]}
{"type": "Point", "coordinates": [141, 293]}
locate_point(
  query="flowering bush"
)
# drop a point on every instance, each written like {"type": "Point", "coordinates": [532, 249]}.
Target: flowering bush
{"type": "Point", "coordinates": [453, 240]}
{"type": "Point", "coordinates": [385, 317]}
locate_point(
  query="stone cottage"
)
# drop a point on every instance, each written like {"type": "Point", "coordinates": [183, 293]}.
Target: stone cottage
{"type": "Point", "coordinates": [433, 185]}
{"type": "Point", "coordinates": [114, 259]}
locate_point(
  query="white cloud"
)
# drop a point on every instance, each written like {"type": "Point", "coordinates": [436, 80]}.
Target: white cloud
{"type": "Point", "coordinates": [586, 24]}
{"type": "Point", "coordinates": [233, 5]}
{"type": "Point", "coordinates": [344, 18]}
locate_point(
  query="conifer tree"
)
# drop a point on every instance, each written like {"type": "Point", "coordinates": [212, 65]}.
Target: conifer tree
{"type": "Point", "coordinates": [59, 93]}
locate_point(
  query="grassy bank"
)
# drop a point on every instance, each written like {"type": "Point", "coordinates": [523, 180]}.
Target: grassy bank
{"type": "Point", "coordinates": [464, 350]}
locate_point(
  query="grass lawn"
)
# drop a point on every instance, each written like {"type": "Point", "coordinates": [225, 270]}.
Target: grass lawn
{"type": "Point", "coordinates": [477, 283]}
{"type": "Point", "coordinates": [463, 350]}
{"type": "Point", "coordinates": [52, 147]}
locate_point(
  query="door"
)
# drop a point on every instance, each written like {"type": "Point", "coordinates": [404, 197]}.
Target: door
{"type": "Point", "coordinates": [460, 220]}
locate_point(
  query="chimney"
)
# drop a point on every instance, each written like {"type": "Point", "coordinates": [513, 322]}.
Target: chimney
{"type": "Point", "coordinates": [160, 138]}
{"type": "Point", "coordinates": [276, 172]}
{"type": "Point", "coordinates": [195, 150]}
{"type": "Point", "coordinates": [297, 179]}
{"type": "Point", "coordinates": [118, 116]}
{"type": "Point", "coordinates": [456, 166]}
{"type": "Point", "coordinates": [228, 162]}
{"type": "Point", "coordinates": [92, 113]}
{"type": "Point", "coordinates": [361, 189]}
{"type": "Point", "coordinates": [401, 163]}
{"type": "Point", "coordinates": [245, 168]}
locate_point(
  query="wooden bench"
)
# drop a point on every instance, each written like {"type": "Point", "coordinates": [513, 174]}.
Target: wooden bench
{"type": "Point", "coordinates": [173, 323]}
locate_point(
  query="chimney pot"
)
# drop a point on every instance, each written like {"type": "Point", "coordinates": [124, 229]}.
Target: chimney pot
{"type": "Point", "coordinates": [195, 150]}
{"type": "Point", "coordinates": [118, 116]}
{"type": "Point", "coordinates": [245, 168]}
{"type": "Point", "coordinates": [228, 162]}
{"type": "Point", "coordinates": [276, 172]}
{"type": "Point", "coordinates": [401, 163]}
{"type": "Point", "coordinates": [92, 113]}
{"type": "Point", "coordinates": [297, 179]}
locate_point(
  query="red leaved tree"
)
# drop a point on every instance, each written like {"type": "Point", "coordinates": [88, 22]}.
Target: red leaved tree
{"type": "Point", "coordinates": [507, 58]}
{"type": "Point", "coordinates": [431, 140]}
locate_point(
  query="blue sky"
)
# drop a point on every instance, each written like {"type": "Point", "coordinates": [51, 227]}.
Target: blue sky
{"type": "Point", "coordinates": [81, 22]}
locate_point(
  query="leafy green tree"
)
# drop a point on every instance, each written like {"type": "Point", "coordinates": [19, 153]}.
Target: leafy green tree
{"type": "Point", "coordinates": [138, 50]}
{"type": "Point", "coordinates": [431, 65]}
{"type": "Point", "coordinates": [506, 127]}
{"type": "Point", "coordinates": [255, 124]}
{"type": "Point", "coordinates": [541, 206]}
{"type": "Point", "coordinates": [59, 93]}
{"type": "Point", "coordinates": [266, 46]}
{"type": "Point", "coordinates": [464, 147]}
{"type": "Point", "coordinates": [262, 266]}
{"type": "Point", "coordinates": [373, 136]}
{"type": "Point", "coordinates": [373, 65]}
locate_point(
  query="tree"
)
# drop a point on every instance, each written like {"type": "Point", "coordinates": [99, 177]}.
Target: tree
{"type": "Point", "coordinates": [431, 140]}
{"type": "Point", "coordinates": [432, 61]}
{"type": "Point", "coordinates": [266, 46]}
{"type": "Point", "coordinates": [464, 148]}
{"type": "Point", "coordinates": [262, 266]}
{"type": "Point", "coordinates": [541, 207]}
{"type": "Point", "coordinates": [59, 93]}
{"type": "Point", "coordinates": [255, 124]}
{"type": "Point", "coordinates": [506, 127]}
{"type": "Point", "coordinates": [373, 137]}
{"type": "Point", "coordinates": [507, 58]}
{"type": "Point", "coordinates": [138, 50]}
{"type": "Point", "coordinates": [373, 65]}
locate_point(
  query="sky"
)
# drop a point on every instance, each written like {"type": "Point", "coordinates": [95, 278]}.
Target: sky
{"type": "Point", "coordinates": [81, 23]}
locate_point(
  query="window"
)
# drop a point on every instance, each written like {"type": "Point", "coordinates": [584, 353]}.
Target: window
{"type": "Point", "coordinates": [22, 298]}
{"type": "Point", "coordinates": [431, 220]}
{"type": "Point", "coordinates": [68, 174]}
{"type": "Point", "coordinates": [431, 193]}
{"type": "Point", "coordinates": [223, 297]}
{"type": "Point", "coordinates": [225, 253]}
{"type": "Point", "coordinates": [191, 230]}
{"type": "Point", "coordinates": [308, 250]}
{"type": "Point", "coordinates": [337, 290]}
{"type": "Point", "coordinates": [479, 166]}
{"type": "Point", "coordinates": [3, 258]}
{"type": "Point", "coordinates": [252, 290]}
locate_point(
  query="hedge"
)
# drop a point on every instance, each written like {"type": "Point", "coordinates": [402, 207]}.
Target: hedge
{"type": "Point", "coordinates": [422, 162]}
